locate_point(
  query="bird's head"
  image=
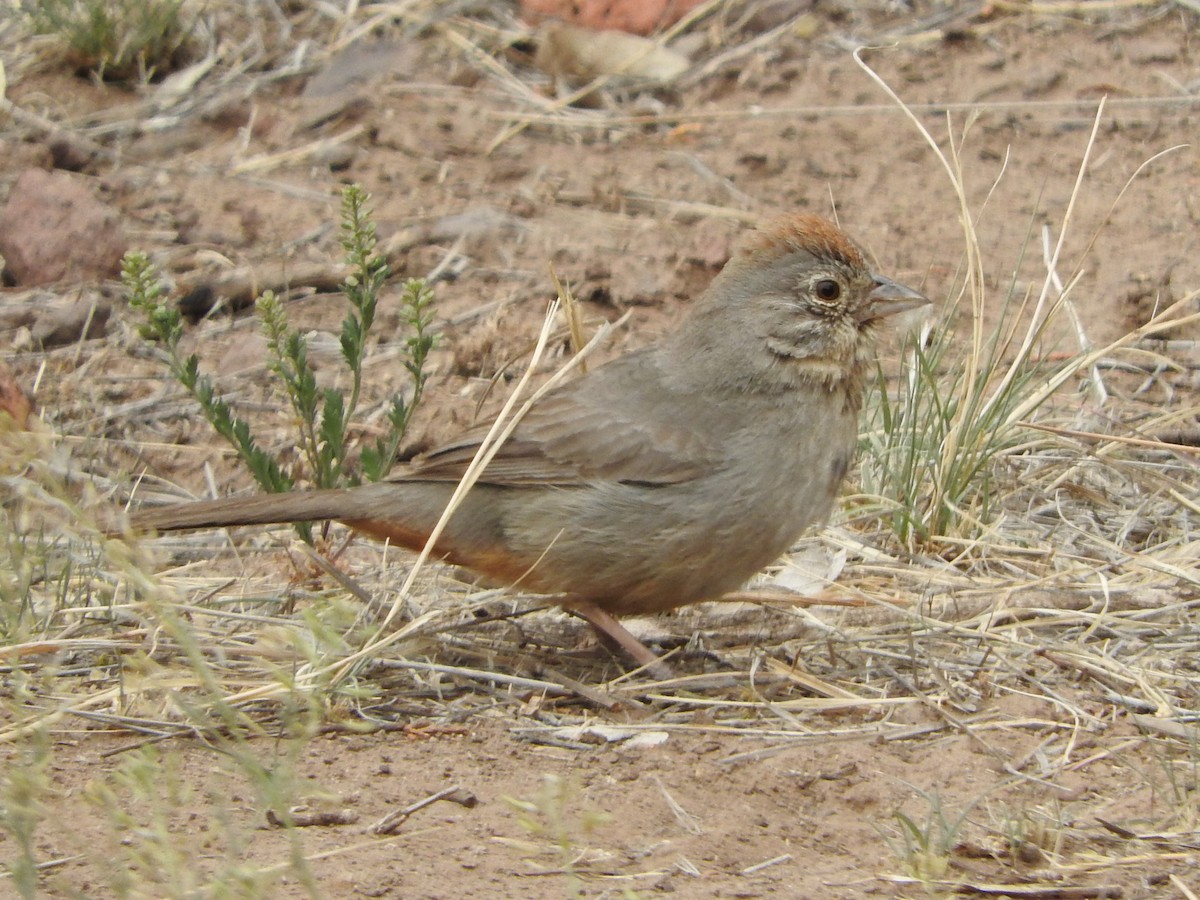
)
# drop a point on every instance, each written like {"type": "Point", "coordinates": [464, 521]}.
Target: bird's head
{"type": "Point", "coordinates": [798, 304]}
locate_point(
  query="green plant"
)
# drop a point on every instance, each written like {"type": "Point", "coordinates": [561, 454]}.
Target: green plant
{"type": "Point", "coordinates": [325, 446]}
{"type": "Point", "coordinates": [929, 450]}
{"type": "Point", "coordinates": [1171, 776]}
{"type": "Point", "coordinates": [22, 564]}
{"type": "Point", "coordinates": [116, 39]}
{"type": "Point", "coordinates": [140, 802]}
{"type": "Point", "coordinates": [24, 785]}
{"type": "Point", "coordinates": [931, 454]}
{"type": "Point", "coordinates": [547, 818]}
{"type": "Point", "coordinates": [324, 416]}
{"type": "Point", "coordinates": [926, 846]}
{"type": "Point", "coordinates": [49, 558]}
{"type": "Point", "coordinates": [147, 801]}
{"type": "Point", "coordinates": [164, 324]}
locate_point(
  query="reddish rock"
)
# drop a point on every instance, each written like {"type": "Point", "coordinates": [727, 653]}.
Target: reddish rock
{"type": "Point", "coordinates": [635, 16]}
{"type": "Point", "coordinates": [14, 402]}
{"type": "Point", "coordinates": [53, 228]}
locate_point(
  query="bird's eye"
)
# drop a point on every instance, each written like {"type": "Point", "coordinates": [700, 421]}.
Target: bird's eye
{"type": "Point", "coordinates": [827, 289]}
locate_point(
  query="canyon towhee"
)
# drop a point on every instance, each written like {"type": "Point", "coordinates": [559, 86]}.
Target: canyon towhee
{"type": "Point", "coordinates": [667, 476]}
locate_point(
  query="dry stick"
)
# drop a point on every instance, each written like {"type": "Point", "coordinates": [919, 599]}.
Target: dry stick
{"type": "Point", "coordinates": [714, 65]}
{"type": "Point", "coordinates": [690, 823]}
{"type": "Point", "coordinates": [811, 704]}
{"type": "Point", "coordinates": [548, 688]}
{"type": "Point", "coordinates": [43, 126]}
{"type": "Point", "coordinates": [47, 865]}
{"type": "Point", "coordinates": [1010, 891]}
{"type": "Point", "coordinates": [489, 63]}
{"type": "Point", "coordinates": [1068, 6]}
{"type": "Point", "coordinates": [788, 112]}
{"type": "Point", "coordinates": [373, 844]}
{"type": "Point", "coordinates": [297, 154]}
{"type": "Point", "coordinates": [810, 682]}
{"type": "Point", "coordinates": [1132, 557]}
{"type": "Point", "coordinates": [242, 285]}
{"type": "Point", "coordinates": [383, 16]}
{"type": "Point", "coordinates": [1003, 638]}
{"type": "Point", "coordinates": [765, 864]}
{"type": "Point", "coordinates": [107, 698]}
{"type": "Point", "coordinates": [348, 584]}
{"type": "Point", "coordinates": [593, 695]}
{"type": "Point", "coordinates": [571, 308]}
{"type": "Point", "coordinates": [391, 823]}
{"type": "Point", "coordinates": [1097, 438]}
{"type": "Point", "coordinates": [635, 201]}
{"type": "Point", "coordinates": [723, 182]}
{"type": "Point", "coordinates": [1175, 880]}
{"type": "Point", "coordinates": [314, 818]}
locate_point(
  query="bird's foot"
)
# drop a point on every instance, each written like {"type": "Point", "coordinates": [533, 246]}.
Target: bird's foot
{"type": "Point", "coordinates": [607, 626]}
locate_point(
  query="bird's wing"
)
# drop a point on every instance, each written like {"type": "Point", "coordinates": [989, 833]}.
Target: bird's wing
{"type": "Point", "coordinates": [611, 425]}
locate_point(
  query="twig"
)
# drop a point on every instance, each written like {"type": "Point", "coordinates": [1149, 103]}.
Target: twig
{"type": "Point", "coordinates": [391, 823]}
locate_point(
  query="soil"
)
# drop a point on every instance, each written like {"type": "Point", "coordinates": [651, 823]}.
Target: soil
{"type": "Point", "coordinates": [635, 205]}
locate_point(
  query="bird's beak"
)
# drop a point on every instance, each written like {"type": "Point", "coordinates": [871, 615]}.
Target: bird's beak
{"type": "Point", "coordinates": [888, 298]}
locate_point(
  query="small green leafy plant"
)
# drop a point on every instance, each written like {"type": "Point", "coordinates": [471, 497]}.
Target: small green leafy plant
{"type": "Point", "coordinates": [931, 454]}
{"type": "Point", "coordinates": [116, 39]}
{"type": "Point", "coordinates": [925, 847]}
{"type": "Point", "coordinates": [324, 417]}
{"type": "Point", "coordinates": [931, 446]}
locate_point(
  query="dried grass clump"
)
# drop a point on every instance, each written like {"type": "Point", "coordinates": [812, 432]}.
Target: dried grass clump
{"type": "Point", "coordinates": [117, 40]}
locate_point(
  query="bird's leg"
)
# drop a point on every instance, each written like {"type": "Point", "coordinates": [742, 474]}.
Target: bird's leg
{"type": "Point", "coordinates": [607, 626]}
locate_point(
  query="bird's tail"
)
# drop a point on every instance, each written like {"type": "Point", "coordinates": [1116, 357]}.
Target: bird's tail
{"type": "Point", "coordinates": [265, 509]}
